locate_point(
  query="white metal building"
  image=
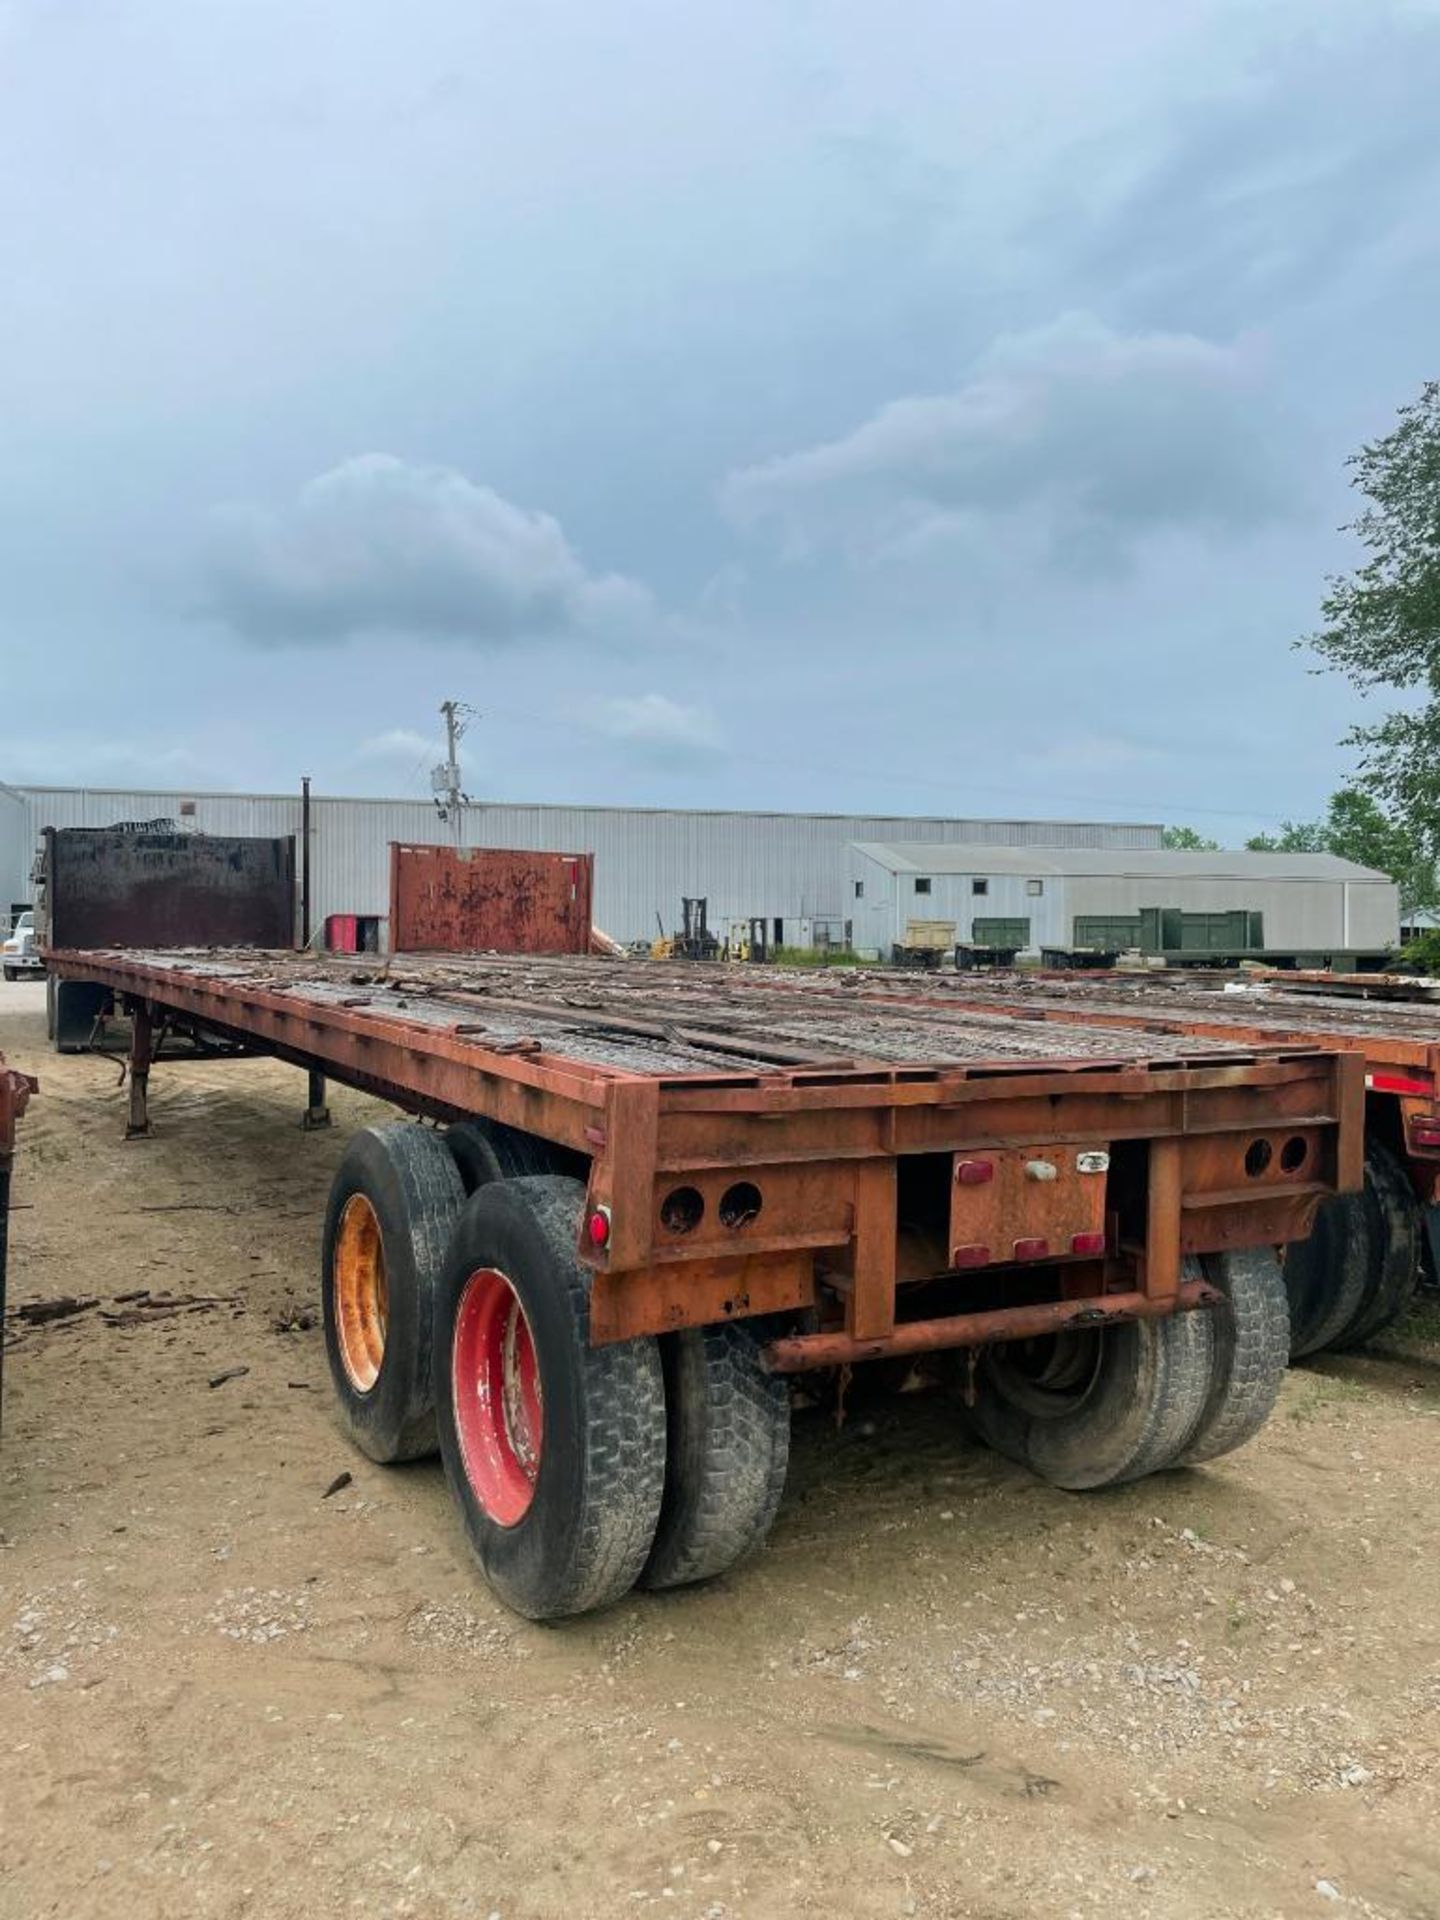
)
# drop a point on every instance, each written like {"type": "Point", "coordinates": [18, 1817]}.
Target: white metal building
{"type": "Point", "coordinates": [790, 868]}
{"type": "Point", "coordinates": [1307, 902]}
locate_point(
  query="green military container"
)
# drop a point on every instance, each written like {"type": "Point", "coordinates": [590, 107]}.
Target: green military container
{"type": "Point", "coordinates": [1171, 930]}
{"type": "Point", "coordinates": [1108, 932]}
{"type": "Point", "coordinates": [1237, 930]}
{"type": "Point", "coordinates": [999, 932]}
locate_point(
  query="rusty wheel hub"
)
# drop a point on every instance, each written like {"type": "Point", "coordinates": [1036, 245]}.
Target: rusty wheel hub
{"type": "Point", "coordinates": [362, 1296]}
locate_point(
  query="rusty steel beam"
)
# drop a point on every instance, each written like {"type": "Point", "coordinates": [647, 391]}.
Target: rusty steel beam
{"type": "Point", "coordinates": [797, 1352]}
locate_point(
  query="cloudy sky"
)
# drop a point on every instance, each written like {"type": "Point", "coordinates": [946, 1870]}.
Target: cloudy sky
{"type": "Point", "coordinates": [939, 407]}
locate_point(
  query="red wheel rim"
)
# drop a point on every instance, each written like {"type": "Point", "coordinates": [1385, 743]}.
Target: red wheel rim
{"type": "Point", "coordinates": [499, 1407]}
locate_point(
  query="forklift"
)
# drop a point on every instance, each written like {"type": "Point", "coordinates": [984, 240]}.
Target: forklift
{"type": "Point", "coordinates": [695, 940]}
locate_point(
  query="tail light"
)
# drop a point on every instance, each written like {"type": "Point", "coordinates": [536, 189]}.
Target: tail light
{"type": "Point", "coordinates": [974, 1173]}
{"type": "Point", "coordinates": [1092, 1245]}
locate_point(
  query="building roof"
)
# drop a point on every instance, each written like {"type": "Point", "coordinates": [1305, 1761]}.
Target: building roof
{"type": "Point", "coordinates": [936, 857]}
{"type": "Point", "coordinates": [25, 790]}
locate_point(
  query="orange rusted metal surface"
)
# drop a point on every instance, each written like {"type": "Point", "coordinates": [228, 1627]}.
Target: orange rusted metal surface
{"type": "Point", "coordinates": [489, 900]}
{"type": "Point", "coordinates": [1045, 1195]}
{"type": "Point", "coordinates": [362, 1294]}
{"type": "Point", "coordinates": [796, 1352]}
{"type": "Point", "coordinates": [754, 1154]}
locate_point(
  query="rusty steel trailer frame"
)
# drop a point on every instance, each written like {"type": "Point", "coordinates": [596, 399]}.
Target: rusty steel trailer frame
{"type": "Point", "coordinates": [1236, 1149]}
{"type": "Point", "coordinates": [1400, 1067]}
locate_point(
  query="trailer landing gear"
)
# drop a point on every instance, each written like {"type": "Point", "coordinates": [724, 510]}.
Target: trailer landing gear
{"type": "Point", "coordinates": [137, 1121]}
{"type": "Point", "coordinates": [316, 1114]}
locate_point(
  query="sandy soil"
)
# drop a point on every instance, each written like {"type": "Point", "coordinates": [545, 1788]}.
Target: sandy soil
{"type": "Point", "coordinates": [943, 1690]}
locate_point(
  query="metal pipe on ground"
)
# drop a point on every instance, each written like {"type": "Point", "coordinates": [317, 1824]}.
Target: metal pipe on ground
{"type": "Point", "coordinates": [15, 1091]}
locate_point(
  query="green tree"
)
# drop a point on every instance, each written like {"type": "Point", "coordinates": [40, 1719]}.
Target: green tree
{"type": "Point", "coordinates": [1382, 622]}
{"type": "Point", "coordinates": [1295, 836]}
{"type": "Point", "coordinates": [1357, 827]}
{"type": "Point", "coordinates": [1187, 840]}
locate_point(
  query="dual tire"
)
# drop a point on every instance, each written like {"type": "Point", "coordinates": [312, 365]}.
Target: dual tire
{"type": "Point", "coordinates": [1356, 1274]}
{"type": "Point", "coordinates": [1099, 1408]}
{"type": "Point", "coordinates": [578, 1471]}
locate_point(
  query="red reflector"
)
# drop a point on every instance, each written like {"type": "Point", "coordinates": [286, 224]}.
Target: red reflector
{"type": "Point", "coordinates": [970, 1257]}
{"type": "Point", "coordinates": [974, 1173]}
{"type": "Point", "coordinates": [1396, 1083]}
{"type": "Point", "coordinates": [598, 1227]}
{"type": "Point", "coordinates": [1089, 1243]}
{"type": "Point", "coordinates": [1031, 1249]}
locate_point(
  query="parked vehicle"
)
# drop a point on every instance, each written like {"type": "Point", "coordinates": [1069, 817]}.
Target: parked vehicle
{"type": "Point", "coordinates": [645, 1195]}
{"type": "Point", "coordinates": [1357, 1274]}
{"type": "Point", "coordinates": [19, 955]}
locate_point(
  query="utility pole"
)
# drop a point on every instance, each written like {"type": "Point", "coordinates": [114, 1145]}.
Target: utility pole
{"type": "Point", "coordinates": [445, 780]}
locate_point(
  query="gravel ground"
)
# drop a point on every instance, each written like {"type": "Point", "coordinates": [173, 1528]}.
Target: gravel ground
{"type": "Point", "coordinates": [942, 1690]}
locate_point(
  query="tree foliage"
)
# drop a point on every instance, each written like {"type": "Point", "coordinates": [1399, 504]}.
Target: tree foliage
{"type": "Point", "coordinates": [1295, 836]}
{"type": "Point", "coordinates": [1357, 827]}
{"type": "Point", "coordinates": [1187, 840]}
{"type": "Point", "coordinates": [1382, 622]}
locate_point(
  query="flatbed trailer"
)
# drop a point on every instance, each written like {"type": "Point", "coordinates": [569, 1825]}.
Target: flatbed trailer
{"type": "Point", "coordinates": [651, 1192]}
{"type": "Point", "coordinates": [1376, 1244]}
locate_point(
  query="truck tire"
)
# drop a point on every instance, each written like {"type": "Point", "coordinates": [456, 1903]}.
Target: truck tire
{"type": "Point", "coordinates": [1326, 1275]}
{"type": "Point", "coordinates": [1394, 1269]}
{"type": "Point", "coordinates": [554, 1449]}
{"type": "Point", "coordinates": [1251, 1332]}
{"type": "Point", "coordinates": [393, 1205]}
{"type": "Point", "coordinates": [1096, 1408]}
{"type": "Point", "coordinates": [50, 1006]}
{"type": "Point", "coordinates": [727, 1449]}
{"type": "Point", "coordinates": [486, 1150]}
{"type": "Point", "coordinates": [12, 974]}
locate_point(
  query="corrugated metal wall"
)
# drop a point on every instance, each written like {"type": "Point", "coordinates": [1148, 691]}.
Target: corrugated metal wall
{"type": "Point", "coordinates": [16, 853]}
{"type": "Point", "coordinates": [784, 866]}
{"type": "Point", "coordinates": [1298, 914]}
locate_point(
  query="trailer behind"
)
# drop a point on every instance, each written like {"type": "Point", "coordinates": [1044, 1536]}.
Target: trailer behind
{"type": "Point", "coordinates": [1357, 1276]}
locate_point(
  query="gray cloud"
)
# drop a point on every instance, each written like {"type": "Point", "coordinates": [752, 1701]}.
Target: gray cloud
{"type": "Point", "coordinates": [1094, 437]}
{"type": "Point", "coordinates": [379, 546]}
{"type": "Point", "coordinates": [653, 720]}
{"type": "Point", "coordinates": [1314, 166]}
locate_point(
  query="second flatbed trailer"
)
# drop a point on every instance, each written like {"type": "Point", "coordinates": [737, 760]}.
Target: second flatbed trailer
{"type": "Point", "coordinates": [1358, 1275]}
{"type": "Point", "coordinates": [648, 1196]}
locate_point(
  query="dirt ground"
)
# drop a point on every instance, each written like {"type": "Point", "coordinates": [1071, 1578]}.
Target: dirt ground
{"type": "Point", "coordinates": [943, 1690]}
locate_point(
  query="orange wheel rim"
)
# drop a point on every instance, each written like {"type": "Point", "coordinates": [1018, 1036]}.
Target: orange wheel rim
{"type": "Point", "coordinates": [362, 1296]}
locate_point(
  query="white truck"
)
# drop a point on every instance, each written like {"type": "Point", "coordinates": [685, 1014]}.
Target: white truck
{"type": "Point", "coordinates": [18, 952]}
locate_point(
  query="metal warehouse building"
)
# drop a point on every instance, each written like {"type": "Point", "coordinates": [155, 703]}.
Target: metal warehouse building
{"type": "Point", "coordinates": [789, 868]}
{"type": "Point", "coordinates": [1032, 897]}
